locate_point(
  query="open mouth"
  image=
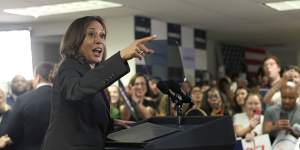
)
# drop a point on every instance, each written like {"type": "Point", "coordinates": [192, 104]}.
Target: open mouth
{"type": "Point", "coordinates": [97, 50]}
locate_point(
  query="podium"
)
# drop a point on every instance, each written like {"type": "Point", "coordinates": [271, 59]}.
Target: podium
{"type": "Point", "coordinates": [195, 133]}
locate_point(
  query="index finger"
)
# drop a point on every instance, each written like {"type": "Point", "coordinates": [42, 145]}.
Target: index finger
{"type": "Point", "coordinates": [147, 39]}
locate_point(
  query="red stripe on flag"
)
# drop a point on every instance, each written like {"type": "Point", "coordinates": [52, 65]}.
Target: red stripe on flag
{"type": "Point", "coordinates": [256, 50]}
{"type": "Point", "coordinates": [254, 58]}
{"type": "Point", "coordinates": [254, 62]}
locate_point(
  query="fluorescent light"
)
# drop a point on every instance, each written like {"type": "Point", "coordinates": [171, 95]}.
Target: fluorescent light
{"type": "Point", "coordinates": [284, 5]}
{"type": "Point", "coordinates": [62, 8]}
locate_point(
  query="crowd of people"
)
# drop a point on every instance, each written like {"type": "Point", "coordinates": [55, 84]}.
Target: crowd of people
{"type": "Point", "coordinates": [256, 106]}
{"type": "Point", "coordinates": [76, 103]}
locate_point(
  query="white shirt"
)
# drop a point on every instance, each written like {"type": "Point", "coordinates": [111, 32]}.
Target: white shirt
{"type": "Point", "coordinates": [242, 119]}
{"type": "Point", "coordinates": [43, 84]}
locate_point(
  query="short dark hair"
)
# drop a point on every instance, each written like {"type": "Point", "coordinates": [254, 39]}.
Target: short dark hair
{"type": "Point", "coordinates": [274, 58]}
{"type": "Point", "coordinates": [45, 70]}
{"type": "Point", "coordinates": [75, 36]}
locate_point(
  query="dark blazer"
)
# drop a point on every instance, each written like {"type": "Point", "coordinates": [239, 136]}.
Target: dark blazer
{"type": "Point", "coordinates": [29, 119]}
{"type": "Point", "coordinates": [79, 109]}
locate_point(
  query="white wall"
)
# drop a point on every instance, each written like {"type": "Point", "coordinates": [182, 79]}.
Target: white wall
{"type": "Point", "coordinates": [288, 55]}
{"type": "Point", "coordinates": [120, 35]}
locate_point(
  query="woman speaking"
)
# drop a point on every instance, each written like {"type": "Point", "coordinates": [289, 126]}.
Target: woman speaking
{"type": "Point", "coordinates": [79, 108]}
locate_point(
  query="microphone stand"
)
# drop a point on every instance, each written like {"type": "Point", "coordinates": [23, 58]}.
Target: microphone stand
{"type": "Point", "coordinates": [179, 114]}
{"type": "Point", "coordinates": [178, 105]}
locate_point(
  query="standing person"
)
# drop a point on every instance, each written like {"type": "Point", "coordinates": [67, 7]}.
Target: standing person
{"type": "Point", "coordinates": [18, 86]}
{"type": "Point", "coordinates": [79, 109]}
{"type": "Point", "coordinates": [272, 69]}
{"type": "Point", "coordinates": [5, 110]}
{"type": "Point", "coordinates": [281, 118]}
{"type": "Point", "coordinates": [29, 118]}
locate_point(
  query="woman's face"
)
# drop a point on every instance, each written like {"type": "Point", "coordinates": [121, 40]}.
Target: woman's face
{"type": "Point", "coordinates": [252, 103]}
{"type": "Point", "coordinates": [197, 95]}
{"type": "Point", "coordinates": [140, 87]}
{"type": "Point", "coordinates": [93, 45]}
{"type": "Point", "coordinates": [240, 96]}
{"type": "Point", "coordinates": [114, 94]}
{"type": "Point", "coordinates": [214, 99]}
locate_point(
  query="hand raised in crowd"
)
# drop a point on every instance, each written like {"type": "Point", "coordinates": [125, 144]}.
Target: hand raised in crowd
{"type": "Point", "coordinates": [253, 122]}
{"type": "Point", "coordinates": [137, 49]}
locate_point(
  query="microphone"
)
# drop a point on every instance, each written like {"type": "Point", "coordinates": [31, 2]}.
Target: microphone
{"type": "Point", "coordinates": [172, 89]}
{"type": "Point", "coordinates": [177, 89]}
{"type": "Point", "coordinates": [161, 85]}
{"type": "Point", "coordinates": [257, 114]}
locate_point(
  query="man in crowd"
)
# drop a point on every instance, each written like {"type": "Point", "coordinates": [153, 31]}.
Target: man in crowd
{"type": "Point", "coordinates": [282, 118]}
{"type": "Point", "coordinates": [29, 119]}
{"type": "Point", "coordinates": [19, 86]}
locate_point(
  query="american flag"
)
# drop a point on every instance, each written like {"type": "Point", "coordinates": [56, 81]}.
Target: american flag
{"type": "Point", "coordinates": [233, 58]}
{"type": "Point", "coordinates": [254, 58]}
{"type": "Point", "coordinates": [238, 59]}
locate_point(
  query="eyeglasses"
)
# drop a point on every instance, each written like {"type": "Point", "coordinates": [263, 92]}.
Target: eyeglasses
{"type": "Point", "coordinates": [213, 96]}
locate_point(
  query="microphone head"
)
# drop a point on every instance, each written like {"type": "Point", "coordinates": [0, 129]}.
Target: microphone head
{"type": "Point", "coordinates": [162, 86]}
{"type": "Point", "coordinates": [174, 86]}
{"type": "Point", "coordinates": [177, 89]}
{"type": "Point", "coordinates": [257, 111]}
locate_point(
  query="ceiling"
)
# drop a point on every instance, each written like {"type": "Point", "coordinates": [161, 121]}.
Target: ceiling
{"type": "Point", "coordinates": [246, 22]}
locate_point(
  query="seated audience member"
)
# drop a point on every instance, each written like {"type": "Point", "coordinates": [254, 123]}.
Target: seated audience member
{"type": "Point", "coordinates": [4, 111]}
{"type": "Point", "coordinates": [115, 102]}
{"type": "Point", "coordinates": [197, 96]}
{"type": "Point", "coordinates": [224, 88]}
{"type": "Point", "coordinates": [167, 107]}
{"type": "Point", "coordinates": [143, 107]}
{"type": "Point", "coordinates": [19, 86]}
{"type": "Point", "coordinates": [214, 105]}
{"type": "Point", "coordinates": [273, 96]}
{"type": "Point", "coordinates": [155, 94]}
{"type": "Point", "coordinates": [249, 123]}
{"type": "Point", "coordinates": [29, 118]}
{"type": "Point", "coordinates": [239, 100]}
{"type": "Point", "coordinates": [282, 117]}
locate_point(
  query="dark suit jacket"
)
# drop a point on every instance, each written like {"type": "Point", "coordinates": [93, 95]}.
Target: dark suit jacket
{"type": "Point", "coordinates": [79, 109]}
{"type": "Point", "coordinates": [29, 119]}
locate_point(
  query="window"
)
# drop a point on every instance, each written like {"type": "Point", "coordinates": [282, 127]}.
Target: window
{"type": "Point", "coordinates": [15, 54]}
